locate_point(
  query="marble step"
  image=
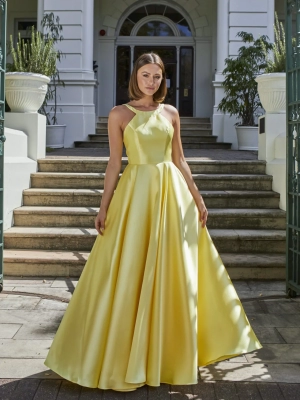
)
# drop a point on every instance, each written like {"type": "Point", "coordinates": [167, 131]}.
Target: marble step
{"type": "Point", "coordinates": [203, 181]}
{"type": "Point", "coordinates": [187, 138]}
{"type": "Point", "coordinates": [78, 239]}
{"type": "Point", "coordinates": [85, 217]}
{"type": "Point", "coordinates": [92, 197]}
{"type": "Point", "coordinates": [70, 263]}
{"type": "Point", "coordinates": [87, 144]}
{"type": "Point", "coordinates": [183, 120]}
{"type": "Point", "coordinates": [197, 166]}
{"type": "Point", "coordinates": [184, 125]}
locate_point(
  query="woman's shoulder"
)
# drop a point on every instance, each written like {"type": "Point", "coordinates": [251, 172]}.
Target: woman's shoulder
{"type": "Point", "coordinates": [118, 112]}
{"type": "Point", "coordinates": [171, 109]}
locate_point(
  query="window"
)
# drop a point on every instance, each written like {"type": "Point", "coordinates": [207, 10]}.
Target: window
{"type": "Point", "coordinates": [23, 26]}
{"type": "Point", "coordinates": [155, 28]}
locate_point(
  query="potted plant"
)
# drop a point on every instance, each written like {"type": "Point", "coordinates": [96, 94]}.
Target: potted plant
{"type": "Point", "coordinates": [241, 97]}
{"type": "Point", "coordinates": [55, 133]}
{"type": "Point", "coordinates": [271, 85]}
{"type": "Point", "coordinates": [26, 81]}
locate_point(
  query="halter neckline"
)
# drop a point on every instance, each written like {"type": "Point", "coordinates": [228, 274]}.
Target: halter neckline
{"type": "Point", "coordinates": [147, 111]}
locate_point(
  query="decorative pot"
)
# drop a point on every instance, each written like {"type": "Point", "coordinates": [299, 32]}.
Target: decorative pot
{"type": "Point", "coordinates": [55, 136]}
{"type": "Point", "coordinates": [25, 91]}
{"type": "Point", "coordinates": [247, 137]}
{"type": "Point", "coordinates": [272, 92]}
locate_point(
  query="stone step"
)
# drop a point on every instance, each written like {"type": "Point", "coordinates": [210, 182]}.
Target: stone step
{"type": "Point", "coordinates": [92, 197]}
{"type": "Point", "coordinates": [197, 166]}
{"type": "Point", "coordinates": [204, 181]}
{"type": "Point", "coordinates": [70, 263]}
{"type": "Point", "coordinates": [238, 241]}
{"type": "Point", "coordinates": [87, 144]}
{"type": "Point", "coordinates": [183, 120]}
{"type": "Point", "coordinates": [85, 217]}
{"type": "Point", "coordinates": [187, 138]}
{"type": "Point", "coordinates": [184, 125]}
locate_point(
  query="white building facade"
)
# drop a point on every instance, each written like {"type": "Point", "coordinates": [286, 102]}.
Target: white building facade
{"type": "Point", "coordinates": [102, 39]}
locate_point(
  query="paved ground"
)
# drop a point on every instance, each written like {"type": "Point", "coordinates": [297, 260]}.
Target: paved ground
{"type": "Point", "coordinates": [205, 154]}
{"type": "Point", "coordinates": [31, 310]}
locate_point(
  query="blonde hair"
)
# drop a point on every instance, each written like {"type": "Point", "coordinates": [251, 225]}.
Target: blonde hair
{"type": "Point", "coordinates": [133, 89]}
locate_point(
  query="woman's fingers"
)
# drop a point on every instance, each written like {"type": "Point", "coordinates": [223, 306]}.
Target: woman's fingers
{"type": "Point", "coordinates": [203, 217]}
{"type": "Point", "coordinates": [100, 224]}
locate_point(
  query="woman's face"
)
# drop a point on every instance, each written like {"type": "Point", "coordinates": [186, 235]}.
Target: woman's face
{"type": "Point", "coordinates": [149, 78]}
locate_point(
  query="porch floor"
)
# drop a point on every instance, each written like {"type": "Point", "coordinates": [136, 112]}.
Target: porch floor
{"type": "Point", "coordinates": [31, 310]}
{"type": "Point", "coordinates": [203, 154]}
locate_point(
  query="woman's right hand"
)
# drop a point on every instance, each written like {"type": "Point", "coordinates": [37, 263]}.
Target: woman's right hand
{"type": "Point", "coordinates": [100, 221]}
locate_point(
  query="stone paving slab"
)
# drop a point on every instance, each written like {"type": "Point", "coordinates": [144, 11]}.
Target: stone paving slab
{"type": "Point", "coordinates": [204, 154]}
{"type": "Point", "coordinates": [8, 331]}
{"type": "Point", "coordinates": [270, 335]}
{"type": "Point", "coordinates": [39, 389]}
{"type": "Point", "coordinates": [29, 323]}
{"type": "Point", "coordinates": [276, 353]}
{"type": "Point", "coordinates": [290, 335]}
{"type": "Point", "coordinates": [251, 372]}
{"type": "Point", "coordinates": [31, 348]}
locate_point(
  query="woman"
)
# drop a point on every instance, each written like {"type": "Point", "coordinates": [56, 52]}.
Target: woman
{"type": "Point", "coordinates": [154, 300]}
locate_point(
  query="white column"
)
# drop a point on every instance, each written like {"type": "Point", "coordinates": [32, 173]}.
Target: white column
{"type": "Point", "coordinates": [222, 34]}
{"type": "Point", "coordinates": [221, 125]}
{"type": "Point", "coordinates": [88, 35]}
{"type": "Point", "coordinates": [76, 98]}
{"type": "Point", "coordinates": [177, 75]}
{"type": "Point", "coordinates": [40, 14]}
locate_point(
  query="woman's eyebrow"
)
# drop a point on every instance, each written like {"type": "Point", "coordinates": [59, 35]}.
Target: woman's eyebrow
{"type": "Point", "coordinates": [146, 72]}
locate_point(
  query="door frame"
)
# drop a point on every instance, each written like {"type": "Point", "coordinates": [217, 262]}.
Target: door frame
{"type": "Point", "coordinates": [158, 41]}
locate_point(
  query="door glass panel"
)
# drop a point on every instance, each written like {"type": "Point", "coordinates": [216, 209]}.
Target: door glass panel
{"type": "Point", "coordinates": [184, 28]}
{"type": "Point", "coordinates": [138, 14]}
{"type": "Point", "coordinates": [123, 74]}
{"type": "Point", "coordinates": [155, 28]}
{"type": "Point", "coordinates": [169, 57]}
{"type": "Point", "coordinates": [126, 28]}
{"type": "Point", "coordinates": [186, 82]}
{"type": "Point", "coordinates": [174, 15]}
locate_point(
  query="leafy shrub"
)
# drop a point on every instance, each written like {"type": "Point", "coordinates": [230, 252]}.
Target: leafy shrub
{"type": "Point", "coordinates": [38, 56]}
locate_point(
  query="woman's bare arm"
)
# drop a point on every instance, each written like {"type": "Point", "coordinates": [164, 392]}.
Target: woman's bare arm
{"type": "Point", "coordinates": [115, 134]}
{"type": "Point", "coordinates": [180, 162]}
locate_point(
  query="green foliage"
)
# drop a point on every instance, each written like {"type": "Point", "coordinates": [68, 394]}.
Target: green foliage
{"type": "Point", "coordinates": [38, 57]}
{"type": "Point", "coordinates": [241, 97]}
{"type": "Point", "coordinates": [53, 29]}
{"type": "Point", "coordinates": [276, 61]}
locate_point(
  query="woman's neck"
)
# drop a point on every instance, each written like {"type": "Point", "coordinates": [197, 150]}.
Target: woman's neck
{"type": "Point", "coordinates": [146, 102]}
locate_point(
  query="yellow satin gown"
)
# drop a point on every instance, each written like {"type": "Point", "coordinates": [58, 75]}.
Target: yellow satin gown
{"type": "Point", "coordinates": [154, 300]}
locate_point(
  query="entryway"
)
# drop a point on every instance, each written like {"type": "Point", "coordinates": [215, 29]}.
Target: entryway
{"type": "Point", "coordinates": [179, 71]}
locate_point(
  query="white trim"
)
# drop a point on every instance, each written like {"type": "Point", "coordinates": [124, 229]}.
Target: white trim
{"type": "Point", "coordinates": [177, 75]}
{"type": "Point", "coordinates": [152, 18]}
{"type": "Point", "coordinates": [155, 41]}
{"type": "Point", "coordinates": [167, 3]}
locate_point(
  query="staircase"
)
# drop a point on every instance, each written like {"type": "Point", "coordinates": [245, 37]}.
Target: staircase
{"type": "Point", "coordinates": [54, 229]}
{"type": "Point", "coordinates": [196, 133]}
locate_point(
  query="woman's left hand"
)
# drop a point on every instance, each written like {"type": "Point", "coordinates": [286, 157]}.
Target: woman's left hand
{"type": "Point", "coordinates": [203, 212]}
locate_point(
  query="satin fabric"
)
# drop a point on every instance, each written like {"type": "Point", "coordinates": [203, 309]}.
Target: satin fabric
{"type": "Point", "coordinates": [154, 300]}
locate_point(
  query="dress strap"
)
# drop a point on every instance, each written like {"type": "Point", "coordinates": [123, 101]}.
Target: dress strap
{"type": "Point", "coordinates": [135, 110]}
{"type": "Point", "coordinates": [130, 108]}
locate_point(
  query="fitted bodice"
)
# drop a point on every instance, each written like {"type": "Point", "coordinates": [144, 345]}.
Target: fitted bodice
{"type": "Point", "coordinates": [148, 137]}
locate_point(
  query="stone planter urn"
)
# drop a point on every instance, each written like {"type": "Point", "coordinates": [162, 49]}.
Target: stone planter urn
{"type": "Point", "coordinates": [272, 92]}
{"type": "Point", "coordinates": [55, 136]}
{"type": "Point", "coordinates": [247, 137]}
{"type": "Point", "coordinates": [24, 91]}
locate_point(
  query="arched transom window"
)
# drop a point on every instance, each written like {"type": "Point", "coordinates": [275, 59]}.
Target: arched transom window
{"type": "Point", "coordinates": [155, 20]}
